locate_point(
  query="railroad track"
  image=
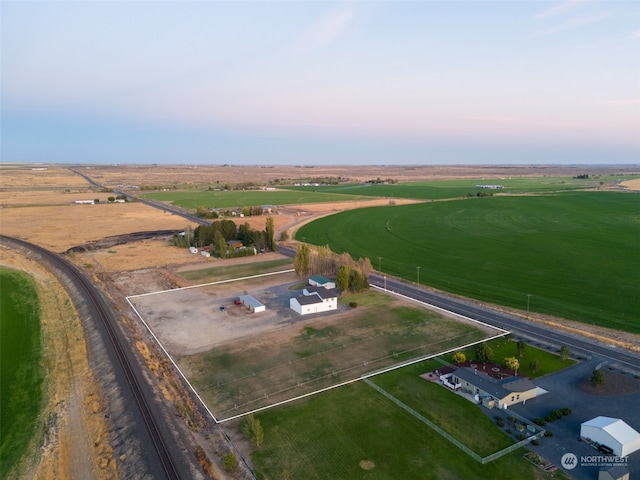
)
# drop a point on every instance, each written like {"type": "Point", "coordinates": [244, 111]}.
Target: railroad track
{"type": "Point", "coordinates": [163, 462]}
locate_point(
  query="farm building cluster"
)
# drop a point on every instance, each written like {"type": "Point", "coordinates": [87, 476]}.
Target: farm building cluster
{"type": "Point", "coordinates": [321, 295]}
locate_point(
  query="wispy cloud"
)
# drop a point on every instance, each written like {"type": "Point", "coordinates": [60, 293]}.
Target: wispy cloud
{"type": "Point", "coordinates": [578, 21]}
{"type": "Point", "coordinates": [325, 30]}
{"type": "Point", "coordinates": [560, 9]}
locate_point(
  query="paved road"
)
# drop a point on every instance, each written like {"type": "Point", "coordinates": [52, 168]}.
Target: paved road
{"type": "Point", "coordinates": [518, 326]}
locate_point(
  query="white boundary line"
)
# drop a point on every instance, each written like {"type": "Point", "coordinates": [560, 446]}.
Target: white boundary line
{"type": "Point", "coordinates": [283, 402]}
{"type": "Point", "coordinates": [211, 283]}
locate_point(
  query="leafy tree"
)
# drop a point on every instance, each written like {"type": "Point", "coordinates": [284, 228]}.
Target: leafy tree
{"type": "Point", "coordinates": [246, 235]}
{"type": "Point", "coordinates": [284, 236]}
{"type": "Point", "coordinates": [343, 277]}
{"type": "Point", "coordinates": [301, 260]}
{"type": "Point", "coordinates": [271, 230]}
{"type": "Point", "coordinates": [111, 199]}
{"type": "Point", "coordinates": [522, 346]}
{"type": "Point", "coordinates": [253, 430]}
{"type": "Point", "coordinates": [229, 230]}
{"type": "Point", "coordinates": [221, 244]}
{"type": "Point", "coordinates": [484, 353]}
{"type": "Point", "coordinates": [597, 378]}
{"type": "Point", "coordinates": [565, 352]}
{"type": "Point", "coordinates": [459, 357]}
{"type": "Point", "coordinates": [357, 281]}
{"type": "Point", "coordinates": [534, 366]}
{"type": "Point", "coordinates": [512, 364]}
{"type": "Point", "coordinates": [96, 200]}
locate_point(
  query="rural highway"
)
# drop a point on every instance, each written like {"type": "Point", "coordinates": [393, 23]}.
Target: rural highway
{"type": "Point", "coordinates": [518, 326]}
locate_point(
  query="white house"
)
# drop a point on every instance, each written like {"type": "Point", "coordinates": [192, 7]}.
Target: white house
{"type": "Point", "coordinates": [315, 300]}
{"type": "Point", "coordinates": [612, 433]}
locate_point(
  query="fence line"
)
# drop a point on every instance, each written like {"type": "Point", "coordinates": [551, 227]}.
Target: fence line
{"type": "Point", "coordinates": [452, 439]}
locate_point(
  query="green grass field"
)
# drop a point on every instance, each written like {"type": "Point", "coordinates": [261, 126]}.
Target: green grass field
{"type": "Point", "coordinates": [502, 347]}
{"type": "Point", "coordinates": [21, 374]}
{"type": "Point", "coordinates": [355, 433]}
{"type": "Point", "coordinates": [441, 189]}
{"type": "Point", "coordinates": [575, 253]}
{"type": "Point", "coordinates": [246, 198]}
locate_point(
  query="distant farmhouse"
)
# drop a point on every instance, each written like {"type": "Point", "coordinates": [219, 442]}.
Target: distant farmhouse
{"type": "Point", "coordinates": [320, 296]}
{"type": "Point", "coordinates": [490, 391]}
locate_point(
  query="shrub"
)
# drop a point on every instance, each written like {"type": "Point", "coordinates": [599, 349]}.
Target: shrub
{"type": "Point", "coordinates": [539, 421]}
{"type": "Point", "coordinates": [565, 411]}
{"type": "Point", "coordinates": [353, 304]}
{"type": "Point", "coordinates": [597, 378]}
{"type": "Point", "coordinates": [548, 434]}
{"type": "Point", "coordinates": [522, 436]}
{"type": "Point", "coordinates": [230, 461]}
{"type": "Point", "coordinates": [535, 442]}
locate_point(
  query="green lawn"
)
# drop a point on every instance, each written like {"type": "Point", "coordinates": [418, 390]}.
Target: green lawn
{"type": "Point", "coordinates": [246, 198]}
{"type": "Point", "coordinates": [21, 375]}
{"type": "Point", "coordinates": [576, 254]}
{"type": "Point", "coordinates": [331, 436]}
{"type": "Point", "coordinates": [502, 347]}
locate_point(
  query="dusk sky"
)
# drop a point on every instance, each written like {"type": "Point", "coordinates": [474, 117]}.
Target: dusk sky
{"type": "Point", "coordinates": [316, 82]}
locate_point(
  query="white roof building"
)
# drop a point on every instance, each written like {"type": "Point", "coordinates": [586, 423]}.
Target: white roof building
{"type": "Point", "coordinates": [613, 433]}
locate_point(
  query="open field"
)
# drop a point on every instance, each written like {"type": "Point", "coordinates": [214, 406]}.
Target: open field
{"type": "Point", "coordinates": [203, 176]}
{"type": "Point", "coordinates": [441, 189]}
{"type": "Point", "coordinates": [355, 433]}
{"type": "Point", "coordinates": [240, 361]}
{"type": "Point", "coordinates": [576, 254]}
{"type": "Point", "coordinates": [246, 198]}
{"type": "Point", "coordinates": [20, 370]}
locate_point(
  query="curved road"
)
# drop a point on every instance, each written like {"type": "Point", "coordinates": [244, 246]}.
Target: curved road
{"type": "Point", "coordinates": [153, 436]}
{"type": "Point", "coordinates": [518, 326]}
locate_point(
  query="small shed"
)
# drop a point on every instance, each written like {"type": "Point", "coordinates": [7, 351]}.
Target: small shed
{"type": "Point", "coordinates": [252, 304]}
{"type": "Point", "coordinates": [320, 281]}
{"type": "Point", "coordinates": [613, 433]}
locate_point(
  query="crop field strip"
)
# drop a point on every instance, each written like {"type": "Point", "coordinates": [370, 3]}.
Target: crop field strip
{"type": "Point", "coordinates": [575, 254]}
{"type": "Point", "coordinates": [241, 378]}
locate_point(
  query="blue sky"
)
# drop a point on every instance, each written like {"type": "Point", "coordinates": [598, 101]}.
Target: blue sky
{"type": "Point", "coordinates": [311, 82]}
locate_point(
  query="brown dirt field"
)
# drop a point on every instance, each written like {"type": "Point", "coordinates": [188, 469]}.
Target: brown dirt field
{"type": "Point", "coordinates": [49, 197]}
{"type": "Point", "coordinates": [77, 442]}
{"type": "Point", "coordinates": [24, 178]}
{"type": "Point", "coordinates": [60, 228]}
{"type": "Point", "coordinates": [632, 184]}
{"type": "Point", "coordinates": [179, 174]}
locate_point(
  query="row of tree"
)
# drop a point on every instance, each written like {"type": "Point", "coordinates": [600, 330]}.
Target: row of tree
{"type": "Point", "coordinates": [350, 274]}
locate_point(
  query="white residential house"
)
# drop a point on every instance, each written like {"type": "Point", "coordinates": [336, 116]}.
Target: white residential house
{"type": "Point", "coordinates": [315, 300]}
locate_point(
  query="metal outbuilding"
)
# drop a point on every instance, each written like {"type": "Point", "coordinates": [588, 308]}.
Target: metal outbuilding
{"type": "Point", "coordinates": [252, 304]}
{"type": "Point", "coordinates": [613, 433]}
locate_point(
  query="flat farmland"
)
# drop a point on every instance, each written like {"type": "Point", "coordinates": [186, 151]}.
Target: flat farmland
{"type": "Point", "coordinates": [575, 253]}
{"type": "Point", "coordinates": [240, 362]}
{"type": "Point", "coordinates": [442, 189]}
{"type": "Point", "coordinates": [246, 198]}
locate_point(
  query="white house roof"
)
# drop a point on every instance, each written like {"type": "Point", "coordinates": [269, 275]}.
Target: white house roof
{"type": "Point", "coordinates": [615, 427]}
